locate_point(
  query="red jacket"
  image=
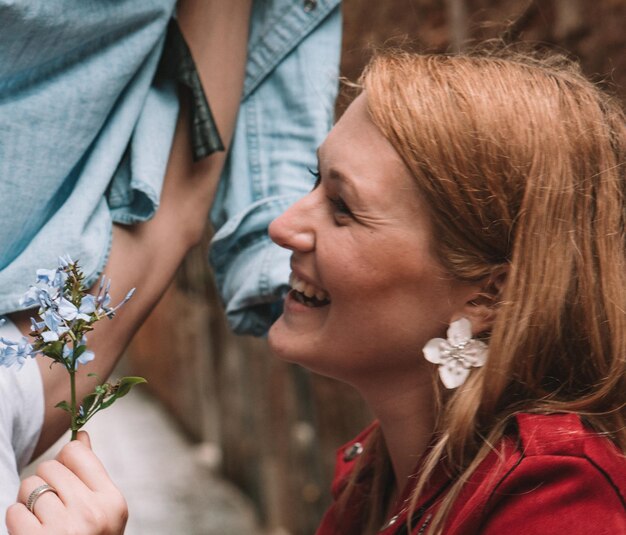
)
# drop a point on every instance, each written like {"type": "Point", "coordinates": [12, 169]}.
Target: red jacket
{"type": "Point", "coordinates": [555, 477]}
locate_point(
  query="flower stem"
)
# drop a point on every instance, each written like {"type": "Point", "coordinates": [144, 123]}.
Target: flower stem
{"type": "Point", "coordinates": [74, 412]}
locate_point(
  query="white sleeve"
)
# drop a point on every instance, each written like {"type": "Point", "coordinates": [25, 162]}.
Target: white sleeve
{"type": "Point", "coordinates": [21, 418]}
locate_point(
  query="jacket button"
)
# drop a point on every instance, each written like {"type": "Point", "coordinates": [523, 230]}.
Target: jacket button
{"type": "Point", "coordinates": [353, 451]}
{"type": "Point", "coordinates": [310, 5]}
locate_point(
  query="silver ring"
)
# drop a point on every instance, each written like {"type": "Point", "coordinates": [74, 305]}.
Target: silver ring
{"type": "Point", "coordinates": [34, 496]}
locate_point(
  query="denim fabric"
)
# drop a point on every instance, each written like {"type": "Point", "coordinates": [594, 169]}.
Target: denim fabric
{"type": "Point", "coordinates": [84, 133]}
{"type": "Point", "coordinates": [288, 106]}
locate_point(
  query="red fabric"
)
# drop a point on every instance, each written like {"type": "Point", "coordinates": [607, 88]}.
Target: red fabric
{"type": "Point", "coordinates": [556, 477]}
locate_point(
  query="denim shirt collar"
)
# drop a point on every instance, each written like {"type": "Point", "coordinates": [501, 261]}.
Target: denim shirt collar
{"type": "Point", "coordinates": [284, 27]}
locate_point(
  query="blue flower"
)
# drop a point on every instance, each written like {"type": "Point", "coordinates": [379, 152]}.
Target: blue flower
{"type": "Point", "coordinates": [15, 352]}
{"type": "Point", "coordinates": [36, 325]}
{"type": "Point", "coordinates": [111, 312]}
{"type": "Point", "coordinates": [103, 298]}
{"type": "Point", "coordinates": [49, 336]}
{"type": "Point", "coordinates": [30, 298]}
{"type": "Point", "coordinates": [87, 305]}
{"type": "Point", "coordinates": [68, 311]}
{"type": "Point", "coordinates": [56, 326]}
{"type": "Point", "coordinates": [65, 261]}
{"type": "Point", "coordinates": [54, 278]}
{"type": "Point", "coordinates": [47, 276]}
{"type": "Point", "coordinates": [84, 358]}
{"type": "Point", "coordinates": [39, 296]}
{"type": "Point", "coordinates": [130, 293]}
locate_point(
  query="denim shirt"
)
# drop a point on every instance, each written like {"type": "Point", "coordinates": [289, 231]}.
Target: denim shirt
{"type": "Point", "coordinates": [85, 131]}
{"type": "Point", "coordinates": [287, 109]}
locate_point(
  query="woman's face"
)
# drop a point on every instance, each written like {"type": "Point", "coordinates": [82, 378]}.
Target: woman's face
{"type": "Point", "coordinates": [362, 246]}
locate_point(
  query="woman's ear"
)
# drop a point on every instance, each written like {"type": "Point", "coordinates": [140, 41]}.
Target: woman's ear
{"type": "Point", "coordinates": [482, 307]}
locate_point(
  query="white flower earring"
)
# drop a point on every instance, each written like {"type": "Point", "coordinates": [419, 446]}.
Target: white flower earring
{"type": "Point", "coordinates": [457, 354]}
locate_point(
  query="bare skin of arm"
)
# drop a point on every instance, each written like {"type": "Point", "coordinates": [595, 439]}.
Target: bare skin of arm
{"type": "Point", "coordinates": [147, 255]}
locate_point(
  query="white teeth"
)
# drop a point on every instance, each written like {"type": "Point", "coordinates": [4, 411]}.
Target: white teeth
{"type": "Point", "coordinates": [307, 289]}
{"type": "Point", "coordinates": [299, 285]}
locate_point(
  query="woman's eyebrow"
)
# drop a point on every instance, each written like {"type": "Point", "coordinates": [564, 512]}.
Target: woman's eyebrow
{"type": "Point", "coordinates": [347, 184]}
{"type": "Point", "coordinates": [346, 181]}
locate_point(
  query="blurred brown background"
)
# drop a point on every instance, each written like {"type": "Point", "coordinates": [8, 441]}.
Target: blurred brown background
{"type": "Point", "coordinates": [590, 30]}
{"type": "Point", "coordinates": [276, 425]}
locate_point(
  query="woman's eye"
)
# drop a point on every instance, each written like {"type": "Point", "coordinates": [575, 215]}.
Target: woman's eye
{"type": "Point", "coordinates": [340, 206]}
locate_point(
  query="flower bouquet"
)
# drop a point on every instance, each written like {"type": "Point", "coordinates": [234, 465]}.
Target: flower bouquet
{"type": "Point", "coordinates": [67, 312]}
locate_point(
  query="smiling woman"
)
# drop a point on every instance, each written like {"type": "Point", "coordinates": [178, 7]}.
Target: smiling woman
{"type": "Point", "coordinates": [351, 242]}
{"type": "Point", "coordinates": [473, 206]}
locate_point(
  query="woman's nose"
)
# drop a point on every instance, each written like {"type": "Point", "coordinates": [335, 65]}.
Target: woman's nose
{"type": "Point", "coordinates": [292, 230]}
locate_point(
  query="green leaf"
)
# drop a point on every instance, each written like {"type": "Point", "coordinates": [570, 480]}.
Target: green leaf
{"type": "Point", "coordinates": [122, 388]}
{"type": "Point", "coordinates": [54, 350]}
{"type": "Point", "coordinates": [64, 405]}
{"type": "Point", "coordinates": [126, 383]}
{"type": "Point", "coordinates": [88, 402]}
{"type": "Point", "coordinates": [79, 351]}
{"type": "Point", "coordinates": [108, 402]}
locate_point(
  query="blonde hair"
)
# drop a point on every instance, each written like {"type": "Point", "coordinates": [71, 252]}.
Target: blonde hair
{"type": "Point", "coordinates": [521, 161]}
